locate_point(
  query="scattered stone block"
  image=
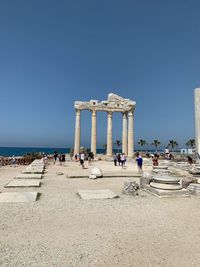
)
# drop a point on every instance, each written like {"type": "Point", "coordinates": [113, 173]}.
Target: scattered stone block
{"type": "Point", "coordinates": [92, 176]}
{"type": "Point", "coordinates": [97, 194]}
{"type": "Point", "coordinates": [14, 197]}
{"type": "Point", "coordinates": [29, 176]}
{"type": "Point", "coordinates": [194, 189]}
{"type": "Point", "coordinates": [23, 183]}
{"type": "Point", "coordinates": [97, 172]}
{"type": "Point", "coordinates": [186, 181]}
{"type": "Point", "coordinates": [160, 167]}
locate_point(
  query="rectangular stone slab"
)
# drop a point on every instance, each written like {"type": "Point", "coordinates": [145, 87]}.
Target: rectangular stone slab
{"type": "Point", "coordinates": [12, 197]}
{"type": "Point", "coordinates": [29, 176]}
{"type": "Point", "coordinates": [97, 194]}
{"type": "Point", "coordinates": [33, 171]}
{"type": "Point", "coordinates": [23, 183]}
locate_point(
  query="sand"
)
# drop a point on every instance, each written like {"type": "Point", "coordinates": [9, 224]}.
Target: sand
{"type": "Point", "coordinates": [60, 229]}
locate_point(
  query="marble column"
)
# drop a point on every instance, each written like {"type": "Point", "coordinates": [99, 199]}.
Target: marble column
{"type": "Point", "coordinates": [77, 132]}
{"type": "Point", "coordinates": [130, 133]}
{"type": "Point", "coordinates": [109, 134]}
{"type": "Point", "coordinates": [94, 133]}
{"type": "Point", "coordinates": [197, 120]}
{"type": "Point", "coordinates": [124, 134]}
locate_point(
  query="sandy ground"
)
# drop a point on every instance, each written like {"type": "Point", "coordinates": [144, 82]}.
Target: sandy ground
{"type": "Point", "coordinates": [60, 229]}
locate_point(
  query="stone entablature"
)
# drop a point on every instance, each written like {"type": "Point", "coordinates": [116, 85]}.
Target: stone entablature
{"type": "Point", "coordinates": [114, 103]}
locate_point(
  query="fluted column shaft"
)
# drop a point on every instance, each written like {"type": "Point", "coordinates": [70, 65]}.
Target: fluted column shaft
{"type": "Point", "coordinates": [124, 134]}
{"type": "Point", "coordinates": [77, 132]}
{"type": "Point", "coordinates": [197, 119]}
{"type": "Point", "coordinates": [94, 133]}
{"type": "Point", "coordinates": [130, 133]}
{"type": "Point", "coordinates": [109, 134]}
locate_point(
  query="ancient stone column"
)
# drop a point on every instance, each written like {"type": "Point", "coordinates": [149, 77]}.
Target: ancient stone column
{"type": "Point", "coordinates": [77, 132]}
{"type": "Point", "coordinates": [130, 133]}
{"type": "Point", "coordinates": [94, 133]}
{"type": "Point", "coordinates": [124, 134]}
{"type": "Point", "coordinates": [109, 134]}
{"type": "Point", "coordinates": [197, 119]}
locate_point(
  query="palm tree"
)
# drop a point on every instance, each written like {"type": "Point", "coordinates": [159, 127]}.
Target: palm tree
{"type": "Point", "coordinates": [142, 142]}
{"type": "Point", "coordinates": [105, 147]}
{"type": "Point", "coordinates": [172, 143]}
{"type": "Point", "coordinates": [118, 143]}
{"type": "Point", "coordinates": [155, 143]}
{"type": "Point", "coordinates": [191, 143]}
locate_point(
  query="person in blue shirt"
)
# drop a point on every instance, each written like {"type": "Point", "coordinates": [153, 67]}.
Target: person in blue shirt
{"type": "Point", "coordinates": [139, 161]}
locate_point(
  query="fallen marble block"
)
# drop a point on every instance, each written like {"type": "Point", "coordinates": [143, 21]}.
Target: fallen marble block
{"type": "Point", "coordinates": [194, 189]}
{"type": "Point", "coordinates": [160, 167]}
{"type": "Point", "coordinates": [97, 194]}
{"type": "Point", "coordinates": [96, 172]}
{"type": "Point", "coordinates": [194, 171]}
{"type": "Point", "coordinates": [29, 176]}
{"type": "Point", "coordinates": [186, 181]}
{"type": "Point", "coordinates": [13, 197]}
{"type": "Point", "coordinates": [23, 183]}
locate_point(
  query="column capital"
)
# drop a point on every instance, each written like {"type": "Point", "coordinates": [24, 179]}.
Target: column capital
{"type": "Point", "coordinates": [109, 113]}
{"type": "Point", "coordinates": [78, 111]}
{"type": "Point", "coordinates": [130, 113]}
{"type": "Point", "coordinates": [94, 112]}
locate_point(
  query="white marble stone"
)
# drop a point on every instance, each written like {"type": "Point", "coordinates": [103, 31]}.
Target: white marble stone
{"type": "Point", "coordinates": [197, 119]}
{"type": "Point", "coordinates": [165, 186]}
{"type": "Point", "coordinates": [97, 172]}
{"type": "Point", "coordinates": [23, 183]}
{"type": "Point", "coordinates": [29, 176]}
{"type": "Point", "coordinates": [12, 197]}
{"type": "Point", "coordinates": [97, 194]}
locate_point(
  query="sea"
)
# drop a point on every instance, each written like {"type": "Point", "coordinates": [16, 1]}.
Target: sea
{"type": "Point", "coordinates": [21, 151]}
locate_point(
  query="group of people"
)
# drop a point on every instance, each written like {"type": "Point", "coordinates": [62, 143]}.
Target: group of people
{"type": "Point", "coordinates": [120, 159]}
{"type": "Point", "coordinates": [84, 156]}
{"type": "Point", "coordinates": [60, 157]}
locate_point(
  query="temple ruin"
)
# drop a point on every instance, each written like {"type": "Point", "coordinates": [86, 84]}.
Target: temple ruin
{"type": "Point", "coordinates": [114, 103]}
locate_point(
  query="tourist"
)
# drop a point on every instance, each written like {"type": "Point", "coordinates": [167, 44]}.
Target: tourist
{"type": "Point", "coordinates": [119, 158]}
{"type": "Point", "coordinates": [123, 160]}
{"type": "Point", "coordinates": [55, 156]}
{"type": "Point", "coordinates": [155, 160]}
{"type": "Point", "coordinates": [63, 158]}
{"type": "Point", "coordinates": [75, 157]}
{"type": "Point", "coordinates": [60, 158]}
{"type": "Point", "coordinates": [13, 161]}
{"type": "Point", "coordinates": [82, 158]}
{"type": "Point", "coordinates": [139, 161]}
{"type": "Point", "coordinates": [189, 160]}
{"type": "Point", "coordinates": [115, 159]}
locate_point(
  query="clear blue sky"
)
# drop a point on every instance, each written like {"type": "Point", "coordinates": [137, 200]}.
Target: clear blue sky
{"type": "Point", "coordinates": [55, 52]}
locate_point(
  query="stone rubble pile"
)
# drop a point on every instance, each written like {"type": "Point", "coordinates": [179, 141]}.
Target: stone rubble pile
{"type": "Point", "coordinates": [131, 188]}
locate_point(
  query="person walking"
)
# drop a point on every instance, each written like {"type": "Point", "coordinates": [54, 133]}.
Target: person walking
{"type": "Point", "coordinates": [82, 158]}
{"type": "Point", "coordinates": [115, 159]}
{"type": "Point", "coordinates": [123, 160]}
{"type": "Point", "coordinates": [139, 161]}
{"type": "Point", "coordinates": [55, 156]}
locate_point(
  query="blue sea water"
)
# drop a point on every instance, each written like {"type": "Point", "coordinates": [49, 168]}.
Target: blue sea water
{"type": "Point", "coordinates": [20, 151]}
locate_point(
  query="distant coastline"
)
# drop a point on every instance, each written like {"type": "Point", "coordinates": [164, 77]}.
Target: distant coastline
{"type": "Point", "coordinates": [20, 151]}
